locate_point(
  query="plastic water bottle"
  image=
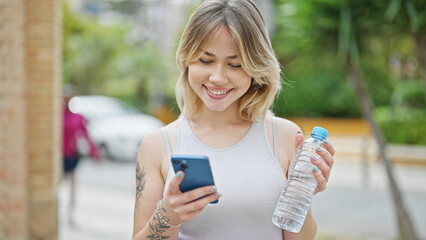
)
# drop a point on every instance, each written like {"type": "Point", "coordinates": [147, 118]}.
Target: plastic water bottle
{"type": "Point", "coordinates": [296, 197]}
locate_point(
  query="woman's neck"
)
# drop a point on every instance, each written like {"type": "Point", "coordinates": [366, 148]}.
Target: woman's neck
{"type": "Point", "coordinates": [219, 129]}
{"type": "Point", "coordinates": [215, 118]}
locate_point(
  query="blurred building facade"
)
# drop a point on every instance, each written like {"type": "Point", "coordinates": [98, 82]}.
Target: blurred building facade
{"type": "Point", "coordinates": [30, 118]}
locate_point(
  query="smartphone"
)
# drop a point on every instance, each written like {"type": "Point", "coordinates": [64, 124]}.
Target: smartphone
{"type": "Point", "coordinates": [197, 171]}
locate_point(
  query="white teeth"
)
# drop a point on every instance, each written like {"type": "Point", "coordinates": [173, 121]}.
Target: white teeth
{"type": "Point", "coordinates": [217, 92]}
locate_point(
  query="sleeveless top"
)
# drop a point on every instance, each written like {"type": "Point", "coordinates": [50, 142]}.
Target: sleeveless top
{"type": "Point", "coordinates": [249, 177]}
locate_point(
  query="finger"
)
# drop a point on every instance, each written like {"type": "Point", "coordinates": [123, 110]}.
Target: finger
{"type": "Point", "coordinates": [329, 147]}
{"type": "Point", "coordinates": [193, 208]}
{"type": "Point", "coordinates": [199, 204]}
{"type": "Point", "coordinates": [175, 182]}
{"type": "Point", "coordinates": [320, 180]}
{"type": "Point", "coordinates": [299, 140]}
{"type": "Point", "coordinates": [324, 154]}
{"type": "Point", "coordinates": [323, 168]}
{"type": "Point", "coordinates": [197, 193]}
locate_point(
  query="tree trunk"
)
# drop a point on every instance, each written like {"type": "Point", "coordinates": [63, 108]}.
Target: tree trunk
{"type": "Point", "coordinates": [406, 229]}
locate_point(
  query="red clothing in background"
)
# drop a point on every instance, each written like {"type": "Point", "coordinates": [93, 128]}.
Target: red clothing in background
{"type": "Point", "coordinates": [74, 127]}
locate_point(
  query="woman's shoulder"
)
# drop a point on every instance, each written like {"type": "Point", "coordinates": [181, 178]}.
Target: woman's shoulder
{"type": "Point", "coordinates": [287, 131]}
{"type": "Point", "coordinates": [173, 126]}
{"type": "Point", "coordinates": [155, 137]}
{"type": "Point", "coordinates": [284, 125]}
{"type": "Point", "coordinates": [154, 142]}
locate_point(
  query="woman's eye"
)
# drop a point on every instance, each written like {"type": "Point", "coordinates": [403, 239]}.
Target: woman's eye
{"type": "Point", "coordinates": [235, 65]}
{"type": "Point", "coordinates": [205, 61]}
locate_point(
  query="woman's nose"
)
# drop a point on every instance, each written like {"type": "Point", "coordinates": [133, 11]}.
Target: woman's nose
{"type": "Point", "coordinates": [218, 76]}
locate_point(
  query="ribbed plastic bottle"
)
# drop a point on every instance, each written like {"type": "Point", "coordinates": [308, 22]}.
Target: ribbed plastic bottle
{"type": "Point", "coordinates": [296, 197]}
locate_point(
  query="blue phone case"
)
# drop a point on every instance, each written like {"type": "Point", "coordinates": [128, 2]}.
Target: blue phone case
{"type": "Point", "coordinates": [197, 171]}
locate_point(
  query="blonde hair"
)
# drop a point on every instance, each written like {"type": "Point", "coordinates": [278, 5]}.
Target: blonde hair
{"type": "Point", "coordinates": [253, 48]}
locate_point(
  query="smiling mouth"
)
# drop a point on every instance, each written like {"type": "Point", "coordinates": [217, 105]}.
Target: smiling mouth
{"type": "Point", "coordinates": [218, 93]}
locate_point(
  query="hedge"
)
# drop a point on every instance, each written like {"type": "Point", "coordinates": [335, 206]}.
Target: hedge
{"type": "Point", "coordinates": [402, 125]}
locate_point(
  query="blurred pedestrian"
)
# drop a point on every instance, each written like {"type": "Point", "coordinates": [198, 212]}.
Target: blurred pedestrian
{"type": "Point", "coordinates": [229, 80]}
{"type": "Point", "coordinates": [74, 129]}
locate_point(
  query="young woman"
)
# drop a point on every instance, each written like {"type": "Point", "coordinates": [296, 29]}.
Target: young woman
{"type": "Point", "coordinates": [229, 79]}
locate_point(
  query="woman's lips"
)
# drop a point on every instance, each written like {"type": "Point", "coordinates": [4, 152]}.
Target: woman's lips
{"type": "Point", "coordinates": [217, 93]}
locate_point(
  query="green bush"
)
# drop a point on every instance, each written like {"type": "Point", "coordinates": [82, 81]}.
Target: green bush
{"type": "Point", "coordinates": [402, 125]}
{"type": "Point", "coordinates": [409, 93]}
{"type": "Point", "coordinates": [316, 88]}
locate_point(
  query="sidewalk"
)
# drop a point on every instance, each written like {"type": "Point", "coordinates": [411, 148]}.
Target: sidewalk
{"type": "Point", "coordinates": [104, 203]}
{"type": "Point", "coordinates": [102, 214]}
{"type": "Point", "coordinates": [358, 202]}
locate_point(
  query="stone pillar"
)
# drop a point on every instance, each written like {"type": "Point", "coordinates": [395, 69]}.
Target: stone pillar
{"type": "Point", "coordinates": [43, 60]}
{"type": "Point", "coordinates": [30, 130]}
{"type": "Point", "coordinates": [13, 157]}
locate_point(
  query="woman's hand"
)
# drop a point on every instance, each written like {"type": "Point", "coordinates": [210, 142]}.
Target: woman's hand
{"type": "Point", "coordinates": [94, 151]}
{"type": "Point", "coordinates": [325, 164]}
{"type": "Point", "coordinates": [181, 207]}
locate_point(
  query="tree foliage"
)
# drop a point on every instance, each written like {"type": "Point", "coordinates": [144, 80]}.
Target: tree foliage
{"type": "Point", "coordinates": [103, 59]}
{"type": "Point", "coordinates": [89, 51]}
{"type": "Point", "coordinates": [314, 38]}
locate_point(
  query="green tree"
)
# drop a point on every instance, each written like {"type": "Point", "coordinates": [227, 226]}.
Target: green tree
{"type": "Point", "coordinates": [408, 17]}
{"type": "Point", "coordinates": [103, 59]}
{"type": "Point", "coordinates": [89, 51]}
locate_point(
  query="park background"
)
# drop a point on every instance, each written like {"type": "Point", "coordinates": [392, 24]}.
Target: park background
{"type": "Point", "coordinates": [126, 49]}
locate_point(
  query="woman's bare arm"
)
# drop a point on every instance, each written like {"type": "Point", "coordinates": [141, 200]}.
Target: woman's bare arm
{"type": "Point", "coordinates": [177, 207]}
{"type": "Point", "coordinates": [149, 189]}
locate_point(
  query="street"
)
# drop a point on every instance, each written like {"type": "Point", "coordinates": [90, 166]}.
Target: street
{"type": "Point", "coordinates": [356, 205]}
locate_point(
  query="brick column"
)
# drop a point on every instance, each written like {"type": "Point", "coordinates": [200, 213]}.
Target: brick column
{"type": "Point", "coordinates": [43, 59]}
{"type": "Point", "coordinates": [13, 157]}
{"type": "Point", "coordinates": [30, 118]}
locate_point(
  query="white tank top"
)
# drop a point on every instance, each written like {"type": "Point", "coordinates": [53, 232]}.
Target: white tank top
{"type": "Point", "coordinates": [250, 179]}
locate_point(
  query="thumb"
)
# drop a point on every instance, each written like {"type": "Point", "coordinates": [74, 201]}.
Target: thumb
{"type": "Point", "coordinates": [299, 140]}
{"type": "Point", "coordinates": [175, 182]}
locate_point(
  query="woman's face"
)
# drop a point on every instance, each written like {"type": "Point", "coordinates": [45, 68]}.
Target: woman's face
{"type": "Point", "coordinates": [218, 77]}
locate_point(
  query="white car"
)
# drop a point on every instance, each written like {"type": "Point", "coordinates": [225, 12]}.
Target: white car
{"type": "Point", "coordinates": [116, 127]}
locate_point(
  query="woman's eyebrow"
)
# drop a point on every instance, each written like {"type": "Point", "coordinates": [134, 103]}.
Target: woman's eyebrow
{"type": "Point", "coordinates": [212, 55]}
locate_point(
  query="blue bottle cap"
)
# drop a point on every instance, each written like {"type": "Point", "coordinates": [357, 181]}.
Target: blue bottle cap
{"type": "Point", "coordinates": [319, 133]}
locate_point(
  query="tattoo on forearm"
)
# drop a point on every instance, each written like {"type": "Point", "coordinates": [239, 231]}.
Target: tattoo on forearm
{"type": "Point", "coordinates": [157, 229]}
{"type": "Point", "coordinates": [140, 182]}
